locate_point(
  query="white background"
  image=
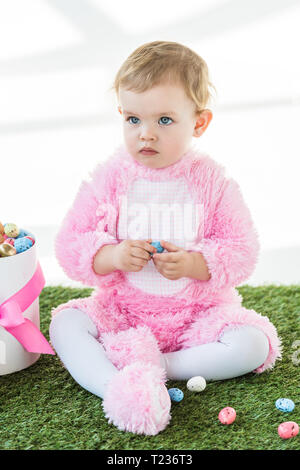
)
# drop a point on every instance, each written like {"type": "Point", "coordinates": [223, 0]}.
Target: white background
{"type": "Point", "coordinates": [58, 119]}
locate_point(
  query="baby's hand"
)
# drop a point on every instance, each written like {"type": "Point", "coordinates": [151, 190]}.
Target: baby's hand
{"type": "Point", "coordinates": [174, 264]}
{"type": "Point", "coordinates": [132, 255]}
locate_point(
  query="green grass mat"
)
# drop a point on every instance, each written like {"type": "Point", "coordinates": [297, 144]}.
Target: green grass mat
{"type": "Point", "coordinates": [42, 407]}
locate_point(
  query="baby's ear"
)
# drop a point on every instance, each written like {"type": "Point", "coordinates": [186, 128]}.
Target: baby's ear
{"type": "Point", "coordinates": [203, 120]}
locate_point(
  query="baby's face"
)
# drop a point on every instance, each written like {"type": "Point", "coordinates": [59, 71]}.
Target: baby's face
{"type": "Point", "coordinates": [162, 118]}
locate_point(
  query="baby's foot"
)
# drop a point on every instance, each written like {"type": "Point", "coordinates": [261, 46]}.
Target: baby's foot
{"type": "Point", "coordinates": [137, 399]}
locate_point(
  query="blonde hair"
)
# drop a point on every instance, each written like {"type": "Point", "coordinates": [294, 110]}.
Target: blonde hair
{"type": "Point", "coordinates": [160, 62]}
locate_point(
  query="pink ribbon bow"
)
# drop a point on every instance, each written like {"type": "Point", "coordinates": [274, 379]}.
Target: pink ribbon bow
{"type": "Point", "coordinates": [23, 329]}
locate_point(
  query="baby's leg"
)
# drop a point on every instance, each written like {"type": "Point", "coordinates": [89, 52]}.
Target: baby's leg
{"type": "Point", "coordinates": [238, 351]}
{"type": "Point", "coordinates": [135, 399]}
{"type": "Point", "coordinates": [73, 335]}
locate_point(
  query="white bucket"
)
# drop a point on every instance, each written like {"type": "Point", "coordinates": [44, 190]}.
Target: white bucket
{"type": "Point", "coordinates": [15, 272]}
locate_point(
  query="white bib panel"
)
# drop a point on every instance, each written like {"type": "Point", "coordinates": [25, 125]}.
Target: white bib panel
{"type": "Point", "coordinates": [160, 210]}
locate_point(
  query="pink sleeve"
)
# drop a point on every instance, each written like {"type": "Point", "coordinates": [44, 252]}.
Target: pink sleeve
{"type": "Point", "coordinates": [87, 226]}
{"type": "Point", "coordinates": [232, 248]}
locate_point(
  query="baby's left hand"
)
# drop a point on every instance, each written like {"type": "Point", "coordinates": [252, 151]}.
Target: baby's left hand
{"type": "Point", "coordinates": [174, 264]}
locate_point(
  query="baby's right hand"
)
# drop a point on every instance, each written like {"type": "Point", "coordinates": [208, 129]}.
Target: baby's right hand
{"type": "Point", "coordinates": [132, 255]}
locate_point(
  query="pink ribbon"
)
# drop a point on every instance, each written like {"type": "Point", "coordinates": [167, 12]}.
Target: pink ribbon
{"type": "Point", "coordinates": [23, 329]}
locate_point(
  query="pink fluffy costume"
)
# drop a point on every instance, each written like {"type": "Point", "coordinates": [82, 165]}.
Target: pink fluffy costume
{"type": "Point", "coordinates": [140, 315]}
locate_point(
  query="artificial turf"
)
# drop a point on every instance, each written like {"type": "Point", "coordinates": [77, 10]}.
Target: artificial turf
{"type": "Point", "coordinates": [42, 407]}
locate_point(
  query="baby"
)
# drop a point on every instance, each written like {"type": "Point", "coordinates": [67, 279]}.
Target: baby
{"type": "Point", "coordinates": [158, 316]}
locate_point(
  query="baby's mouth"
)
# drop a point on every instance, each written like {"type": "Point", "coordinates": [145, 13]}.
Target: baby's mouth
{"type": "Point", "coordinates": [148, 152]}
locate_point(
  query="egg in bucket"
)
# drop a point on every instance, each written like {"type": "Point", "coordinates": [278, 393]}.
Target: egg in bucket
{"type": "Point", "coordinates": [21, 282]}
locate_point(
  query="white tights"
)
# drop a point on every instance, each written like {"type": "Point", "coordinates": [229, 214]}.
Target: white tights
{"type": "Point", "coordinates": [73, 335]}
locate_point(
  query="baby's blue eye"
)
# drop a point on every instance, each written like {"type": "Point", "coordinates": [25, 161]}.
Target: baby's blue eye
{"type": "Point", "coordinates": [132, 117]}
{"type": "Point", "coordinates": [165, 117]}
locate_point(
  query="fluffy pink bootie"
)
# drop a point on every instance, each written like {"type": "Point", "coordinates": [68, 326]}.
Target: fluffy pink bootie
{"type": "Point", "coordinates": [132, 345]}
{"type": "Point", "coordinates": [137, 400]}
